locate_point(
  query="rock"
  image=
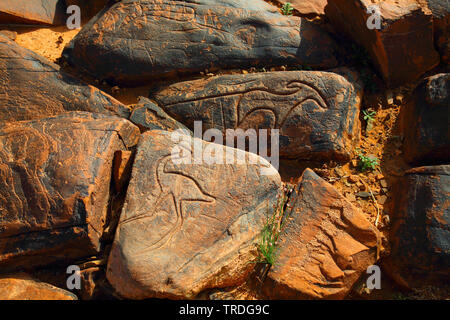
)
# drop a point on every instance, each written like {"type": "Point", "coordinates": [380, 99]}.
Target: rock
{"type": "Point", "coordinates": [23, 287]}
{"type": "Point", "coordinates": [55, 178]}
{"type": "Point", "coordinates": [260, 5]}
{"type": "Point", "coordinates": [187, 228]}
{"type": "Point", "coordinates": [402, 49]}
{"type": "Point", "coordinates": [324, 247]}
{"type": "Point", "coordinates": [123, 161]}
{"type": "Point", "coordinates": [9, 34]}
{"type": "Point", "coordinates": [425, 123]}
{"type": "Point", "coordinates": [420, 233]}
{"type": "Point", "coordinates": [162, 37]}
{"type": "Point", "coordinates": [441, 25]}
{"type": "Point", "coordinates": [88, 8]}
{"type": "Point", "coordinates": [308, 7]}
{"type": "Point", "coordinates": [31, 87]}
{"type": "Point", "coordinates": [316, 112]}
{"type": "Point", "coordinates": [148, 116]}
{"type": "Point", "coordinates": [46, 12]}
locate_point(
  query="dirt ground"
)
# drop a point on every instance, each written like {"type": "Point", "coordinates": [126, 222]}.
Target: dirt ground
{"type": "Point", "coordinates": [369, 191]}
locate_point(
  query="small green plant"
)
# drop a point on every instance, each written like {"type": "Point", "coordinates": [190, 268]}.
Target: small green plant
{"type": "Point", "coordinates": [369, 115]}
{"type": "Point", "coordinates": [287, 9]}
{"type": "Point", "coordinates": [366, 162]}
{"type": "Point", "coordinates": [267, 245]}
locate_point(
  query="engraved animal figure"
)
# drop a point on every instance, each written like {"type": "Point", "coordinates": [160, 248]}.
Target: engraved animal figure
{"type": "Point", "coordinates": [176, 188]}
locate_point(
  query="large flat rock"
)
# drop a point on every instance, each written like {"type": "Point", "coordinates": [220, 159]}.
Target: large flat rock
{"type": "Point", "coordinates": [316, 112]}
{"type": "Point", "coordinates": [185, 228]}
{"type": "Point", "coordinates": [31, 87]}
{"type": "Point", "coordinates": [325, 245]}
{"type": "Point", "coordinates": [46, 12]}
{"type": "Point", "coordinates": [55, 178]}
{"type": "Point", "coordinates": [420, 232]}
{"type": "Point", "coordinates": [134, 41]}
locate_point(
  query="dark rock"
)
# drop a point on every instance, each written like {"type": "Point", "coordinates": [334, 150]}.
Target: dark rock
{"type": "Point", "coordinates": [402, 49]}
{"type": "Point", "coordinates": [31, 87]}
{"type": "Point", "coordinates": [134, 41]}
{"type": "Point", "coordinates": [88, 8]}
{"type": "Point", "coordinates": [425, 122]}
{"type": "Point", "coordinates": [47, 12]}
{"type": "Point", "coordinates": [55, 178]}
{"type": "Point", "coordinates": [441, 25]}
{"type": "Point", "coordinates": [326, 244]}
{"type": "Point", "coordinates": [186, 228]}
{"type": "Point", "coordinates": [316, 112]}
{"type": "Point", "coordinates": [148, 116]}
{"type": "Point", "coordinates": [420, 233]}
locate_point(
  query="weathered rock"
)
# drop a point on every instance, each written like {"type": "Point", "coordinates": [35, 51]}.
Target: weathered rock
{"type": "Point", "coordinates": [148, 116]}
{"type": "Point", "coordinates": [425, 122]}
{"type": "Point", "coordinates": [249, 5]}
{"type": "Point", "coordinates": [325, 246]}
{"type": "Point", "coordinates": [32, 87]}
{"type": "Point", "coordinates": [23, 287]}
{"type": "Point", "coordinates": [185, 228]}
{"type": "Point", "coordinates": [420, 232]}
{"type": "Point", "coordinates": [316, 112]}
{"type": "Point", "coordinates": [441, 25]}
{"type": "Point", "coordinates": [47, 12]}
{"type": "Point", "coordinates": [164, 36]}
{"type": "Point", "coordinates": [402, 49]}
{"type": "Point", "coordinates": [308, 7]}
{"type": "Point", "coordinates": [9, 34]}
{"type": "Point", "coordinates": [88, 8]}
{"type": "Point", "coordinates": [55, 178]}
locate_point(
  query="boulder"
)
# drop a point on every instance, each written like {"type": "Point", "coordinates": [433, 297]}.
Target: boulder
{"type": "Point", "coordinates": [425, 122]}
{"type": "Point", "coordinates": [23, 287]}
{"type": "Point", "coordinates": [326, 244]}
{"type": "Point", "coordinates": [31, 87]}
{"type": "Point", "coordinates": [316, 112]}
{"type": "Point", "coordinates": [135, 41]}
{"type": "Point", "coordinates": [249, 5]}
{"type": "Point", "coordinates": [402, 49]}
{"type": "Point", "coordinates": [441, 23]}
{"type": "Point", "coordinates": [148, 116]}
{"type": "Point", "coordinates": [420, 232]}
{"type": "Point", "coordinates": [55, 178]}
{"type": "Point", "coordinates": [45, 12]}
{"type": "Point", "coordinates": [186, 228]}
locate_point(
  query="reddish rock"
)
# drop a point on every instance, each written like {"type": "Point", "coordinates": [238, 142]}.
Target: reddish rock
{"type": "Point", "coordinates": [31, 87]}
{"type": "Point", "coordinates": [23, 287]}
{"type": "Point", "coordinates": [425, 122]}
{"type": "Point", "coordinates": [324, 247]}
{"type": "Point", "coordinates": [420, 232]}
{"type": "Point", "coordinates": [163, 37]}
{"type": "Point", "coordinates": [186, 228]}
{"type": "Point", "coordinates": [316, 112]}
{"type": "Point", "coordinates": [403, 49]}
{"type": "Point", "coordinates": [47, 12]}
{"type": "Point", "coordinates": [55, 178]}
{"type": "Point", "coordinates": [148, 116]}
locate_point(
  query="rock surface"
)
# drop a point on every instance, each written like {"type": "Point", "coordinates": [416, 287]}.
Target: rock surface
{"type": "Point", "coordinates": [402, 49]}
{"type": "Point", "coordinates": [88, 8]}
{"type": "Point", "coordinates": [420, 232]}
{"type": "Point", "coordinates": [32, 87]}
{"type": "Point", "coordinates": [47, 12]}
{"type": "Point", "coordinates": [134, 41]}
{"type": "Point", "coordinates": [148, 116]}
{"type": "Point", "coordinates": [23, 287]}
{"type": "Point", "coordinates": [441, 24]}
{"type": "Point", "coordinates": [185, 228]}
{"type": "Point", "coordinates": [316, 112]}
{"type": "Point", "coordinates": [308, 7]}
{"type": "Point", "coordinates": [55, 178]}
{"type": "Point", "coordinates": [425, 122]}
{"type": "Point", "coordinates": [325, 245]}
